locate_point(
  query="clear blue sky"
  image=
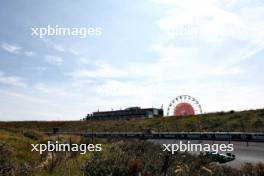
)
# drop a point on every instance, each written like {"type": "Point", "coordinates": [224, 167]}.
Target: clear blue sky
{"type": "Point", "coordinates": [149, 52]}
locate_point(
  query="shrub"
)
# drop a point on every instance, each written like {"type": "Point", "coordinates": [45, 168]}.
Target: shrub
{"type": "Point", "coordinates": [6, 166]}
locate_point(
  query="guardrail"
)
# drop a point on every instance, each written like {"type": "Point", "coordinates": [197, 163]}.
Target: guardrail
{"type": "Point", "coordinates": [215, 136]}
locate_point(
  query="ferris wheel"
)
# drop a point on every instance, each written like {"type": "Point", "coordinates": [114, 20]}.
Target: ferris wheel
{"type": "Point", "coordinates": [184, 105]}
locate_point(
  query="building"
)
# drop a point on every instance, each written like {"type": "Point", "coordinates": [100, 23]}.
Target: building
{"type": "Point", "coordinates": [128, 113]}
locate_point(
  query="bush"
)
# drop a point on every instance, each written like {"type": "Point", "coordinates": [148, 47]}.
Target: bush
{"type": "Point", "coordinates": [138, 157]}
{"type": "Point", "coordinates": [6, 166]}
{"type": "Point", "coordinates": [32, 135]}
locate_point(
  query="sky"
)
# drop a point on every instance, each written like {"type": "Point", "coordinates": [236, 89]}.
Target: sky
{"type": "Point", "coordinates": [148, 53]}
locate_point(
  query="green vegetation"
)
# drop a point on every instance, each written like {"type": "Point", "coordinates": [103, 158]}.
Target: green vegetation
{"type": "Point", "coordinates": [120, 157]}
{"type": "Point", "coordinates": [132, 158]}
{"type": "Point", "coordinates": [16, 157]}
{"type": "Point", "coordinates": [248, 121]}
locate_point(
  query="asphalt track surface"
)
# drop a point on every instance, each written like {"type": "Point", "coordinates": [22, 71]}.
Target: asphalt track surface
{"type": "Point", "coordinates": [251, 152]}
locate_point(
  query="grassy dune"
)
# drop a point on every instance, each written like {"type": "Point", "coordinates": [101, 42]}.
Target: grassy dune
{"type": "Point", "coordinates": [249, 121]}
{"type": "Point", "coordinates": [16, 157]}
{"type": "Point", "coordinates": [119, 158]}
